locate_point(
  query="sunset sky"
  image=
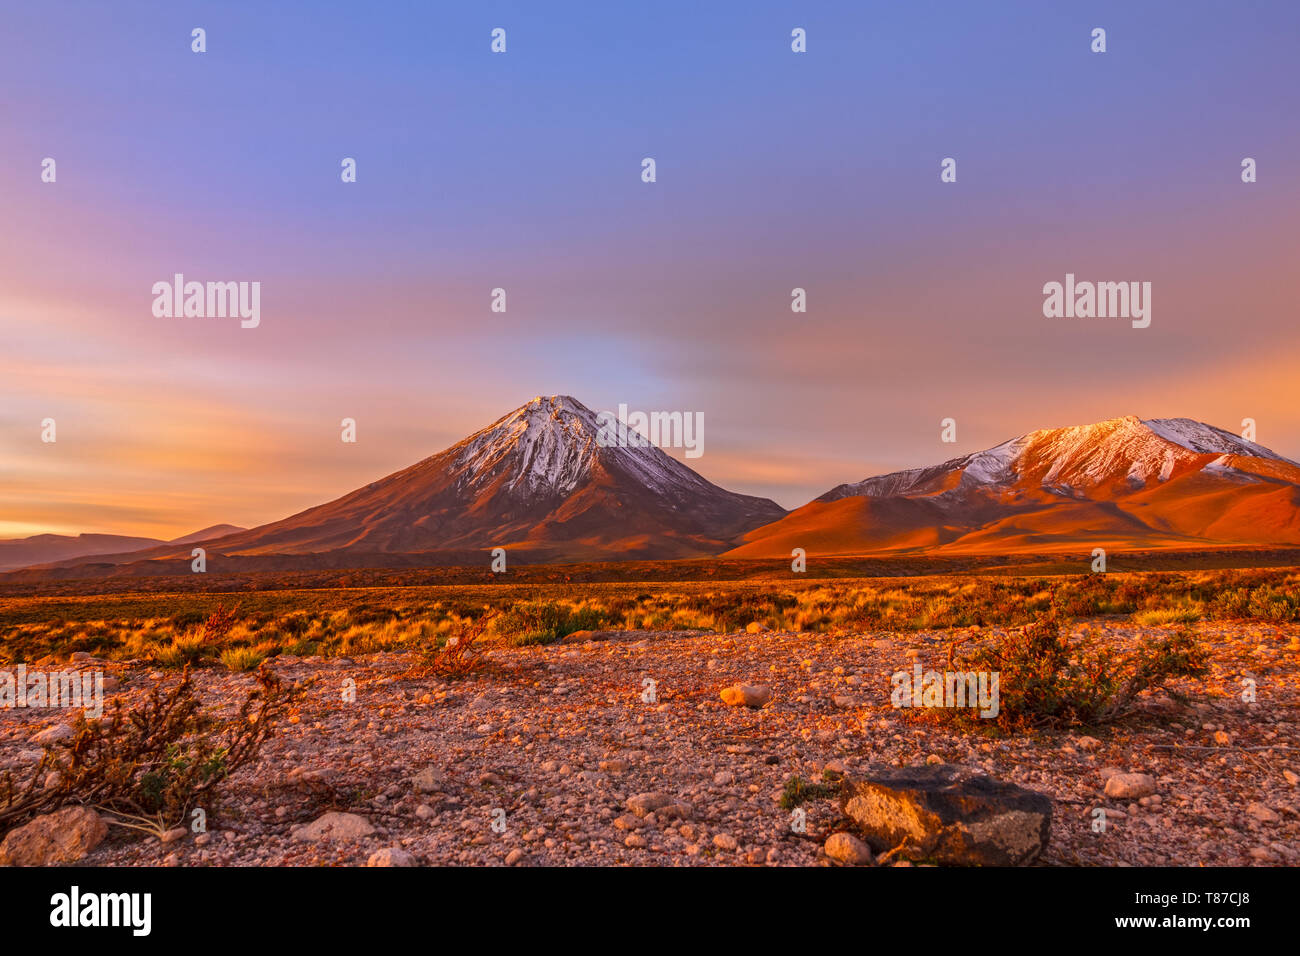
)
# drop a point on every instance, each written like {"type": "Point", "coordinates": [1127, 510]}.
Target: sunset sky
{"type": "Point", "coordinates": [522, 170]}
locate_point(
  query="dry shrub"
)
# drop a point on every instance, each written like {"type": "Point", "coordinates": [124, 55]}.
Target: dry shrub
{"type": "Point", "coordinates": [218, 624]}
{"type": "Point", "coordinates": [458, 656]}
{"type": "Point", "coordinates": [157, 761]}
{"type": "Point", "coordinates": [1047, 680]}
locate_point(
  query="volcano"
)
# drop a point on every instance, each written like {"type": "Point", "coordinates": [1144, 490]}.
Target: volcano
{"type": "Point", "coordinates": [1122, 483]}
{"type": "Point", "coordinates": [536, 481]}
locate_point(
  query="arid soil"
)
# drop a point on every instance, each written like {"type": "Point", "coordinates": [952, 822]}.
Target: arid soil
{"type": "Point", "coordinates": [560, 738]}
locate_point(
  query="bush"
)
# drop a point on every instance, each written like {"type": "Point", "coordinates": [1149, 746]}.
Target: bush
{"type": "Point", "coordinates": [242, 659]}
{"type": "Point", "coordinates": [457, 656]}
{"type": "Point", "coordinates": [155, 762]}
{"type": "Point", "coordinates": [1171, 615]}
{"type": "Point", "coordinates": [546, 622]}
{"type": "Point", "coordinates": [1045, 680]}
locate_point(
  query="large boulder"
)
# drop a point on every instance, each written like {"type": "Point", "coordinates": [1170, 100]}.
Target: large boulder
{"type": "Point", "coordinates": [64, 836]}
{"type": "Point", "coordinates": [949, 815]}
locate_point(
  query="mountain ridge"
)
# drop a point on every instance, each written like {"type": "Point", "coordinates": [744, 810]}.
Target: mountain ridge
{"type": "Point", "coordinates": [542, 482]}
{"type": "Point", "coordinates": [1122, 482]}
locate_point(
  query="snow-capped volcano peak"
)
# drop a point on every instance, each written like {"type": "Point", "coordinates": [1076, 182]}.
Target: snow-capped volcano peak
{"type": "Point", "coordinates": [1126, 452]}
{"type": "Point", "coordinates": [542, 480]}
{"type": "Point", "coordinates": [546, 446]}
{"type": "Point", "coordinates": [1206, 439]}
{"type": "Point", "coordinates": [552, 444]}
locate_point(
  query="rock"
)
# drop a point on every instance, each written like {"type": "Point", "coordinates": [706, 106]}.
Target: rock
{"type": "Point", "coordinates": [586, 637]}
{"type": "Point", "coordinates": [1087, 743]}
{"type": "Point", "coordinates": [725, 841]}
{"type": "Point", "coordinates": [429, 780]}
{"type": "Point", "coordinates": [51, 735]}
{"type": "Point", "coordinates": [747, 695]}
{"type": "Point", "coordinates": [1130, 786]}
{"type": "Point", "coordinates": [950, 814]}
{"type": "Point", "coordinates": [1262, 813]}
{"type": "Point", "coordinates": [1290, 777]}
{"type": "Point", "coordinates": [335, 826]}
{"type": "Point", "coordinates": [846, 848]}
{"type": "Point", "coordinates": [614, 766]}
{"type": "Point", "coordinates": [643, 803]}
{"type": "Point", "coordinates": [64, 836]}
{"type": "Point", "coordinates": [723, 777]}
{"type": "Point", "coordinates": [634, 840]}
{"type": "Point", "coordinates": [756, 627]}
{"type": "Point", "coordinates": [79, 656]}
{"type": "Point", "coordinates": [424, 811]}
{"type": "Point", "coordinates": [391, 856]}
{"type": "Point", "coordinates": [514, 856]}
{"type": "Point", "coordinates": [174, 834]}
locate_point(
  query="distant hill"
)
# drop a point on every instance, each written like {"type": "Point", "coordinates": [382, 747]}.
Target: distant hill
{"type": "Point", "coordinates": [51, 548]}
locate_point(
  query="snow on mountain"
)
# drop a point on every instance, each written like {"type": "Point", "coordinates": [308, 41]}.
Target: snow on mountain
{"type": "Point", "coordinates": [551, 445]}
{"type": "Point", "coordinates": [1075, 459]}
{"type": "Point", "coordinates": [538, 480]}
{"type": "Point", "coordinates": [1118, 484]}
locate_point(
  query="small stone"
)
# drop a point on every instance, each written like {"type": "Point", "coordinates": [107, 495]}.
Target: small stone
{"type": "Point", "coordinates": [725, 841]}
{"type": "Point", "coordinates": [514, 856]}
{"type": "Point", "coordinates": [747, 695]}
{"type": "Point", "coordinates": [51, 735]}
{"type": "Point", "coordinates": [174, 834]}
{"type": "Point", "coordinates": [391, 856]}
{"type": "Point", "coordinates": [723, 777]}
{"type": "Point", "coordinates": [643, 803]}
{"type": "Point", "coordinates": [1130, 786]}
{"type": "Point", "coordinates": [335, 826]}
{"type": "Point", "coordinates": [429, 780]}
{"type": "Point", "coordinates": [64, 836]}
{"type": "Point", "coordinates": [846, 848]}
{"type": "Point", "coordinates": [1087, 743]}
{"type": "Point", "coordinates": [756, 627]}
{"type": "Point", "coordinates": [1262, 813]}
{"type": "Point", "coordinates": [634, 840]}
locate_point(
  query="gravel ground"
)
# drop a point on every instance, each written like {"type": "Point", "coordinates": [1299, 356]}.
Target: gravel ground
{"type": "Point", "coordinates": [534, 762]}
